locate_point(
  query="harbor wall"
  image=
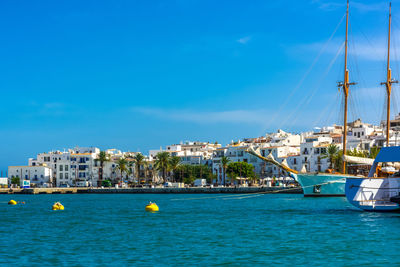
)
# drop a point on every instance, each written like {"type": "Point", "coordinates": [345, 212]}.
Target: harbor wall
{"type": "Point", "coordinates": [188, 190]}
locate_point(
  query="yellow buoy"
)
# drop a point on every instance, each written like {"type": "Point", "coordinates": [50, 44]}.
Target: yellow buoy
{"type": "Point", "coordinates": [12, 202]}
{"type": "Point", "coordinates": [151, 207]}
{"type": "Point", "coordinates": [58, 206]}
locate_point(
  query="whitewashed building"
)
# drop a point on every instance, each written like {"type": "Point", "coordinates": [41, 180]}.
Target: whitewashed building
{"type": "Point", "coordinates": [312, 153]}
{"type": "Point", "coordinates": [40, 176]}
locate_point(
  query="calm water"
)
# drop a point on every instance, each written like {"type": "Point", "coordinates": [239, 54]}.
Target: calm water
{"type": "Point", "coordinates": [194, 230]}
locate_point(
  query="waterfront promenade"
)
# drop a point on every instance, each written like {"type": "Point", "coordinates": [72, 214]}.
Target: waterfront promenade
{"type": "Point", "coordinates": [166, 190]}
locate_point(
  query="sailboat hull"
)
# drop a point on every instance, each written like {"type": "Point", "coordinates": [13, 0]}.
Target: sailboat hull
{"type": "Point", "coordinates": [373, 194]}
{"type": "Point", "coordinates": [322, 185]}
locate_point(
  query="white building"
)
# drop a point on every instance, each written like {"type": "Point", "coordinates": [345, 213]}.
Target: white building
{"type": "Point", "coordinates": [312, 153]}
{"type": "Point", "coordinates": [40, 176]}
{"type": "Point", "coordinates": [237, 153]}
{"type": "Point", "coordinates": [73, 167]}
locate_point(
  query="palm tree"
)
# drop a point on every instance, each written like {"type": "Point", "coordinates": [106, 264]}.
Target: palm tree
{"type": "Point", "coordinates": [102, 157]}
{"type": "Point", "coordinates": [128, 172]}
{"type": "Point", "coordinates": [331, 153]}
{"type": "Point", "coordinates": [174, 163]}
{"type": "Point", "coordinates": [139, 161]}
{"type": "Point", "coordinates": [224, 163]}
{"type": "Point", "coordinates": [373, 152]}
{"type": "Point", "coordinates": [162, 163]}
{"type": "Point", "coordinates": [338, 160]}
{"type": "Point", "coordinates": [357, 153]}
{"type": "Point", "coordinates": [122, 166]}
{"type": "Point", "coordinates": [146, 171]}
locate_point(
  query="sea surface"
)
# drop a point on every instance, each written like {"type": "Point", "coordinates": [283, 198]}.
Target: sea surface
{"type": "Point", "coordinates": [202, 230]}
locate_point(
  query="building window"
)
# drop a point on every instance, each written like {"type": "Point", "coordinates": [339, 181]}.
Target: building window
{"type": "Point", "coordinates": [66, 176]}
{"type": "Point", "coordinates": [61, 176]}
{"type": "Point", "coordinates": [66, 167]}
{"type": "Point", "coordinates": [61, 168]}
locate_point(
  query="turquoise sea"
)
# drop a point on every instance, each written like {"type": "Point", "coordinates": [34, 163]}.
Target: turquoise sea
{"type": "Point", "coordinates": [222, 230]}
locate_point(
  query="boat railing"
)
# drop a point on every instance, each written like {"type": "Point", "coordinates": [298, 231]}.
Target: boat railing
{"type": "Point", "coordinates": [381, 202]}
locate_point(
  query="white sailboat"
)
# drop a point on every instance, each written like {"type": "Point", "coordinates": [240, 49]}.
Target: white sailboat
{"type": "Point", "coordinates": [380, 191]}
{"type": "Point", "coordinates": [331, 184]}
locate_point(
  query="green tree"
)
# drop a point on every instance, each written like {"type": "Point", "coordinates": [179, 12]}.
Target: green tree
{"type": "Point", "coordinates": [240, 169]}
{"type": "Point", "coordinates": [162, 163]}
{"type": "Point", "coordinates": [174, 163]}
{"type": "Point", "coordinates": [106, 183]}
{"type": "Point", "coordinates": [373, 152]}
{"type": "Point", "coordinates": [224, 163]}
{"type": "Point", "coordinates": [15, 180]}
{"type": "Point", "coordinates": [147, 171]}
{"type": "Point", "coordinates": [188, 173]}
{"type": "Point", "coordinates": [331, 153]}
{"type": "Point", "coordinates": [338, 160]}
{"type": "Point", "coordinates": [357, 153]}
{"type": "Point", "coordinates": [138, 159]}
{"type": "Point", "coordinates": [122, 166]}
{"type": "Point", "coordinates": [102, 157]}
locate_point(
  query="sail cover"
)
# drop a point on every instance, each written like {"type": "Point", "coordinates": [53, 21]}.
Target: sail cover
{"type": "Point", "coordinates": [270, 158]}
{"type": "Point", "coordinates": [358, 160]}
{"type": "Point", "coordinates": [389, 154]}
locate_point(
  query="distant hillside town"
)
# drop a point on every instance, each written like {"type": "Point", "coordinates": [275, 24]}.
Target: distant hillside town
{"type": "Point", "coordinates": [184, 162]}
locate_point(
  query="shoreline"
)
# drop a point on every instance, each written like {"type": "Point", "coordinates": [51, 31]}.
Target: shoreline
{"type": "Point", "coordinates": [187, 190]}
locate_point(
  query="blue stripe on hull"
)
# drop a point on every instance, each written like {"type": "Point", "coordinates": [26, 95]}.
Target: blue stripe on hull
{"type": "Point", "coordinates": [318, 185]}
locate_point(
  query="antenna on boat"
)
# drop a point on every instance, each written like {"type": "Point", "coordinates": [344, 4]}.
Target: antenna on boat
{"type": "Point", "coordinates": [389, 81]}
{"type": "Point", "coordinates": [345, 85]}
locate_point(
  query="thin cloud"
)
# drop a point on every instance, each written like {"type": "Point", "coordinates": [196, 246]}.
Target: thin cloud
{"type": "Point", "coordinates": [362, 7]}
{"type": "Point", "coordinates": [371, 50]}
{"type": "Point", "coordinates": [51, 109]}
{"type": "Point", "coordinates": [328, 6]}
{"type": "Point", "coordinates": [244, 40]}
{"type": "Point", "coordinates": [261, 118]}
{"type": "Point", "coordinates": [369, 7]}
{"type": "Point", "coordinates": [207, 117]}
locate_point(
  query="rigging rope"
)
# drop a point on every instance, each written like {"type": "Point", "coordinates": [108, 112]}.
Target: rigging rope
{"type": "Point", "coordinates": [307, 99]}
{"type": "Point", "coordinates": [330, 107]}
{"type": "Point", "coordinates": [284, 104]}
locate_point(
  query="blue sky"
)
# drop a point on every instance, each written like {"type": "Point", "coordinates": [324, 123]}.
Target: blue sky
{"type": "Point", "coordinates": [138, 75]}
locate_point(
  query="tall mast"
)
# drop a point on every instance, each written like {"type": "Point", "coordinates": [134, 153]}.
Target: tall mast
{"type": "Point", "coordinates": [389, 81]}
{"type": "Point", "coordinates": [345, 85]}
